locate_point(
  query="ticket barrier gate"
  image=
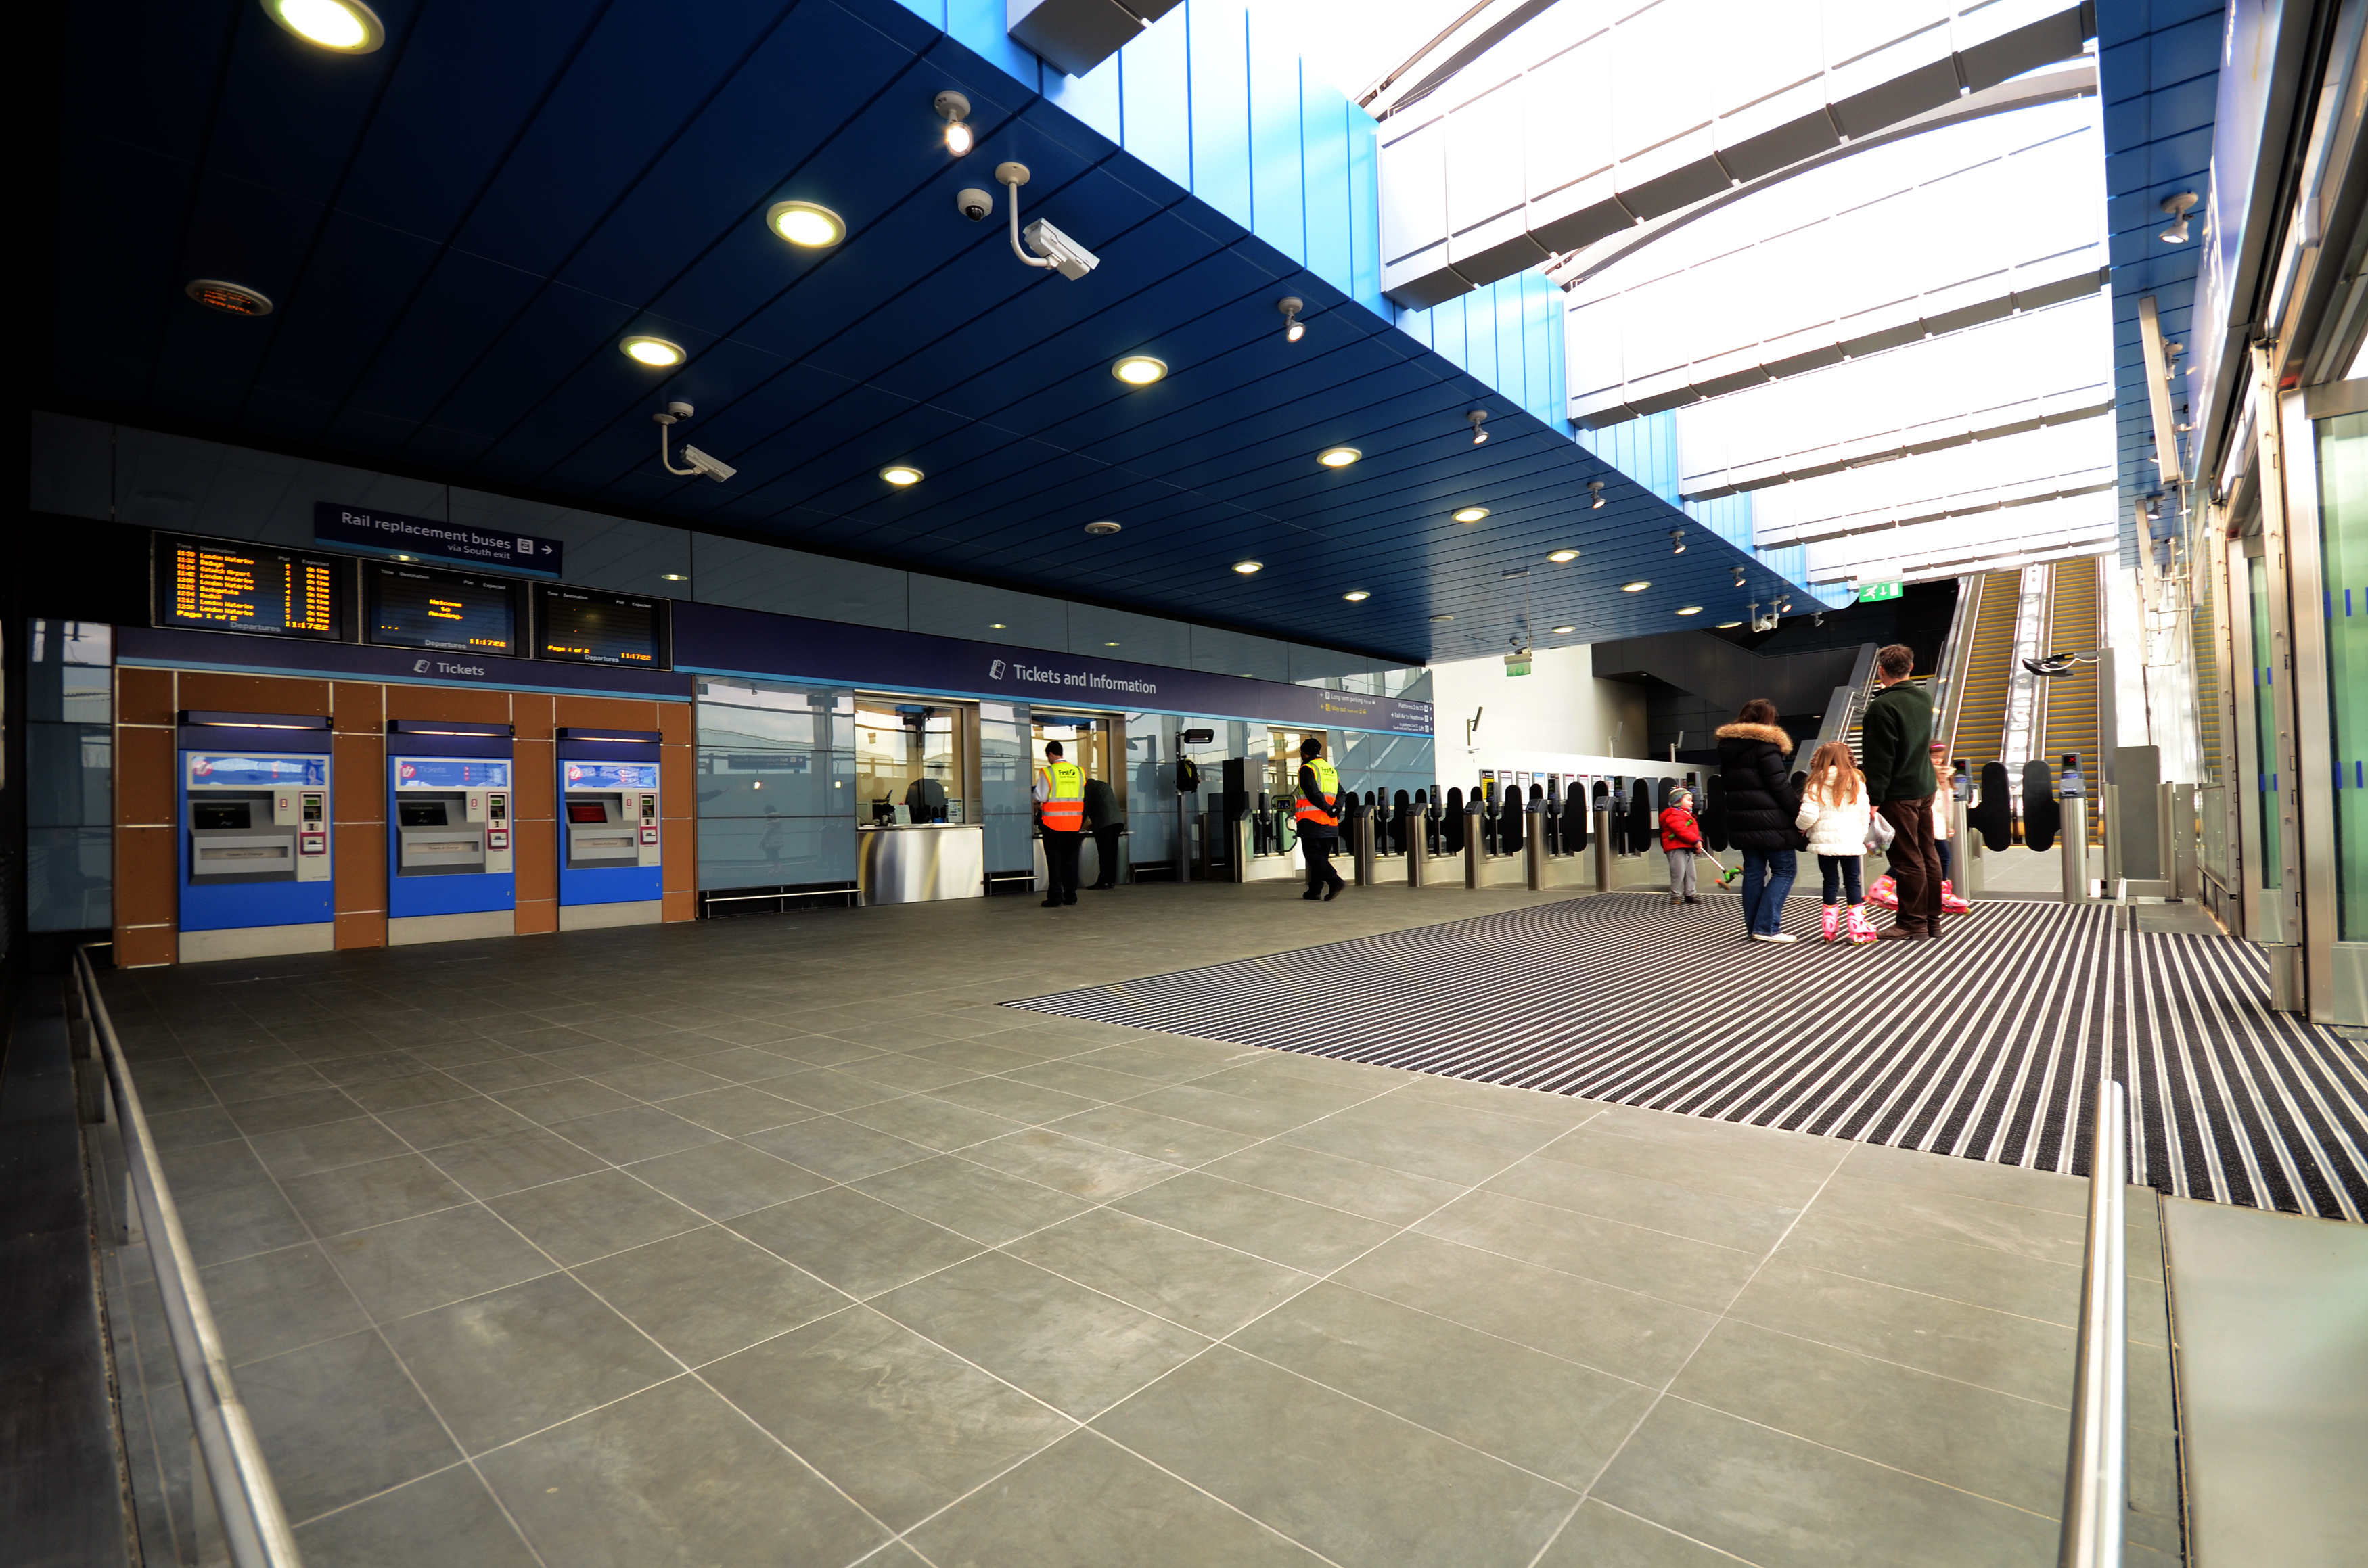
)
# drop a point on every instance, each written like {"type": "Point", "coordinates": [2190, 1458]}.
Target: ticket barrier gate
{"type": "Point", "coordinates": [611, 838]}
{"type": "Point", "coordinates": [256, 852]}
{"type": "Point", "coordinates": [450, 794]}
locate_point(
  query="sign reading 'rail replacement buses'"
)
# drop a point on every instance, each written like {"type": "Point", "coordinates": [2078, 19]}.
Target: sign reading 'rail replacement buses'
{"type": "Point", "coordinates": [435, 539]}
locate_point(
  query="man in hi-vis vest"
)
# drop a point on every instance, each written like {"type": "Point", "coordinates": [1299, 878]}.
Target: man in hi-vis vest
{"type": "Point", "coordinates": [1319, 819]}
{"type": "Point", "coordinates": [1061, 805]}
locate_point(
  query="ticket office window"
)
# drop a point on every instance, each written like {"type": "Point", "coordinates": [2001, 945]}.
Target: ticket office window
{"type": "Point", "coordinates": [1094, 742]}
{"type": "Point", "coordinates": [912, 761]}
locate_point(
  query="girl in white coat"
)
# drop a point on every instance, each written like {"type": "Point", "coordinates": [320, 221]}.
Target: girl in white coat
{"type": "Point", "coordinates": [1836, 814]}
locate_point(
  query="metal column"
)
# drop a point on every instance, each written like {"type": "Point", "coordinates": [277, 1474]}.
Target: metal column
{"type": "Point", "coordinates": [1360, 841]}
{"type": "Point", "coordinates": [2289, 984]}
{"type": "Point", "coordinates": [1534, 858]}
{"type": "Point", "coordinates": [1418, 859]}
{"type": "Point", "coordinates": [2314, 764]}
{"type": "Point", "coordinates": [2076, 850]}
{"type": "Point", "coordinates": [1603, 861]}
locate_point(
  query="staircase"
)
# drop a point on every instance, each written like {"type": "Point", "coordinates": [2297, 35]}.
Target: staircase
{"type": "Point", "coordinates": [1981, 705]}
{"type": "Point", "coordinates": [2068, 718]}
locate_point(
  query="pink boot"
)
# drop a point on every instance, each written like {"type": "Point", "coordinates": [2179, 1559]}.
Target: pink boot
{"type": "Point", "coordinates": [1862, 929]}
{"type": "Point", "coordinates": [1833, 921]}
{"type": "Point", "coordinates": [1951, 901]}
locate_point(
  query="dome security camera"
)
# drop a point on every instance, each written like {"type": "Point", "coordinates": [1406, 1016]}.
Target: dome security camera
{"type": "Point", "coordinates": [975, 204]}
{"type": "Point", "coordinates": [679, 410]}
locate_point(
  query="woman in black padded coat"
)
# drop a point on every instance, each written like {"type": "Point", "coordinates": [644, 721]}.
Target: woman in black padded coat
{"type": "Point", "coordinates": [1754, 768]}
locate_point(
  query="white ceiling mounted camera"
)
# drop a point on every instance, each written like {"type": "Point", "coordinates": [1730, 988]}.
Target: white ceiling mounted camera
{"type": "Point", "coordinates": [1054, 250]}
{"type": "Point", "coordinates": [715, 468]}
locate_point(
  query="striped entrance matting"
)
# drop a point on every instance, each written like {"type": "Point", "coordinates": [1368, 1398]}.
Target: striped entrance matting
{"type": "Point", "coordinates": [1979, 1045]}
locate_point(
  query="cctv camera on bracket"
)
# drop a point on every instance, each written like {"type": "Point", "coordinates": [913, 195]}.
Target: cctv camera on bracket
{"type": "Point", "coordinates": [700, 463]}
{"type": "Point", "coordinates": [1054, 250]}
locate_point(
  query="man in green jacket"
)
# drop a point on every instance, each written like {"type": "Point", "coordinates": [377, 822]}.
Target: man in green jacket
{"type": "Point", "coordinates": [1897, 736]}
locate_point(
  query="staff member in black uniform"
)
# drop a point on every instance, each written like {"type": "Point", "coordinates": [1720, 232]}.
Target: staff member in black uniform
{"type": "Point", "coordinates": [1319, 819]}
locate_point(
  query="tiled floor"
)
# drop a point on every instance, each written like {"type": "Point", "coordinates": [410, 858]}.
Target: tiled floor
{"type": "Point", "coordinates": [778, 1241]}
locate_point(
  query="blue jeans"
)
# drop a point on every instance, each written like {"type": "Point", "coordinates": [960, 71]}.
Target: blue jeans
{"type": "Point", "coordinates": [1766, 878]}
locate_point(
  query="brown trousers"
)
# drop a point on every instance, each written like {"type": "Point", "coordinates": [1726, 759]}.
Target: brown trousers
{"type": "Point", "coordinates": [1914, 865]}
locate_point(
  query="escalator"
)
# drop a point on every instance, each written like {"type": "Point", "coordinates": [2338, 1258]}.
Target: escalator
{"type": "Point", "coordinates": [2069, 713]}
{"type": "Point", "coordinates": [1980, 729]}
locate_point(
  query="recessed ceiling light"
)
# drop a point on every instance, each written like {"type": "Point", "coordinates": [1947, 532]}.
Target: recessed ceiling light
{"type": "Point", "coordinates": [1563, 631]}
{"type": "Point", "coordinates": [1101, 527]}
{"type": "Point", "coordinates": [1249, 568]}
{"type": "Point", "coordinates": [805, 224]}
{"type": "Point", "coordinates": [347, 27]}
{"type": "Point", "coordinates": [1338, 457]}
{"type": "Point", "coordinates": [995, 626]}
{"type": "Point", "coordinates": [402, 558]}
{"type": "Point", "coordinates": [1635, 587]}
{"type": "Point", "coordinates": [1139, 369]}
{"type": "Point", "coordinates": [1356, 596]}
{"type": "Point", "coordinates": [1728, 625]}
{"type": "Point", "coordinates": [654, 352]}
{"type": "Point", "coordinates": [675, 577]}
{"type": "Point", "coordinates": [1691, 610]}
{"type": "Point", "coordinates": [1471, 514]}
{"type": "Point", "coordinates": [901, 474]}
{"type": "Point", "coordinates": [1437, 619]}
{"type": "Point", "coordinates": [1563, 557]}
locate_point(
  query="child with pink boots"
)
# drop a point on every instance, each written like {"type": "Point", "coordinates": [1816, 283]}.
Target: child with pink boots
{"type": "Point", "coordinates": [1836, 814]}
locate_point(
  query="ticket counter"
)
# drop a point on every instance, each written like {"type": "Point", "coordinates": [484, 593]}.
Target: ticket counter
{"type": "Point", "coordinates": [450, 790]}
{"type": "Point", "coordinates": [256, 849]}
{"type": "Point", "coordinates": [611, 845]}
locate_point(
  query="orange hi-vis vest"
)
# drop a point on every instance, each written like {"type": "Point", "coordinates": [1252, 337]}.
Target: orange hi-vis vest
{"type": "Point", "coordinates": [1064, 796]}
{"type": "Point", "coordinates": [1327, 811]}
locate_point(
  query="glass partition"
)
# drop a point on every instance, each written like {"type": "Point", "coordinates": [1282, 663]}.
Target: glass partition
{"type": "Point", "coordinates": [2265, 724]}
{"type": "Point", "coordinates": [910, 762]}
{"type": "Point", "coordinates": [2343, 544]}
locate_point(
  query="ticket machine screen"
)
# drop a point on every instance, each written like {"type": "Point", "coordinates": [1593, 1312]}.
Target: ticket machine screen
{"type": "Point", "coordinates": [451, 816]}
{"type": "Point", "coordinates": [257, 819]}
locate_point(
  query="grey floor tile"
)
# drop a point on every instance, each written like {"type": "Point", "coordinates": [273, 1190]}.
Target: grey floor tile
{"type": "Point", "coordinates": [822, 1050]}
{"type": "Point", "coordinates": [1991, 1444]}
{"type": "Point", "coordinates": [1599, 1536]}
{"type": "Point", "coordinates": [1393, 1198]}
{"type": "Point", "coordinates": [196, 1170]}
{"type": "Point", "coordinates": [278, 1301]}
{"type": "Point", "coordinates": [660, 1080]}
{"type": "Point", "coordinates": [1981, 1275]}
{"type": "Point", "coordinates": [498, 1366]}
{"type": "Point", "coordinates": [1086, 1502]}
{"type": "Point", "coordinates": [971, 1199]}
{"type": "Point", "coordinates": [1676, 1269]}
{"type": "Point", "coordinates": [933, 1123]}
{"type": "Point", "coordinates": [239, 1087]}
{"type": "Point", "coordinates": [338, 1421]}
{"type": "Point", "coordinates": [283, 1111]}
{"type": "Point", "coordinates": [374, 1067]}
{"type": "Point", "coordinates": [413, 1265]}
{"type": "Point", "coordinates": [972, 1055]}
{"type": "Point", "coordinates": [353, 1195]}
{"type": "Point", "coordinates": [1632, 1335]}
{"type": "Point", "coordinates": [1641, 1201]}
{"type": "Point", "coordinates": [1405, 1149]}
{"type": "Point", "coordinates": [1230, 1113]}
{"type": "Point", "coordinates": [448, 1518]}
{"type": "Point", "coordinates": [1090, 1171]}
{"type": "Point", "coordinates": [564, 1099]}
{"type": "Point", "coordinates": [1265, 1083]}
{"type": "Point", "coordinates": [1992, 1349]}
{"type": "Point", "coordinates": [1073, 1348]}
{"type": "Point", "coordinates": [828, 1089]}
{"type": "Point", "coordinates": [743, 1065]}
{"type": "Point", "coordinates": [303, 1151]}
{"type": "Point", "coordinates": [426, 1087]}
{"type": "Point", "coordinates": [835, 1147]}
{"type": "Point", "coordinates": [186, 1129]}
{"type": "Point", "coordinates": [909, 1073]}
{"type": "Point", "coordinates": [1092, 1082]}
{"type": "Point", "coordinates": [1529, 1105]}
{"type": "Point", "coordinates": [591, 1216]}
{"type": "Point", "coordinates": [503, 1074]}
{"type": "Point", "coordinates": [722, 1180]}
{"type": "Point", "coordinates": [898, 1423]}
{"type": "Point", "coordinates": [239, 1221]}
{"type": "Point", "coordinates": [1164, 1138]}
{"type": "Point", "coordinates": [1968, 1179]}
{"type": "Point", "coordinates": [1782, 1502]}
{"type": "Point", "coordinates": [1210, 1288]}
{"type": "Point", "coordinates": [1356, 1484]}
{"type": "Point", "coordinates": [854, 1240]}
{"type": "Point", "coordinates": [508, 1161]}
{"type": "Point", "coordinates": [1013, 1100]}
{"type": "Point", "coordinates": [672, 1478]}
{"type": "Point", "coordinates": [708, 1292]}
{"type": "Point", "coordinates": [1562, 1421]}
{"type": "Point", "coordinates": [1723, 1142]}
{"type": "Point", "coordinates": [641, 1133]}
{"type": "Point", "coordinates": [1297, 1235]}
{"type": "Point", "coordinates": [431, 1127]}
{"type": "Point", "coordinates": [739, 1110]}
{"type": "Point", "coordinates": [1891, 1208]}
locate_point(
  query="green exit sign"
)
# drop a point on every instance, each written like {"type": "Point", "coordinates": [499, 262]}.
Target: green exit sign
{"type": "Point", "coordinates": [1517, 664]}
{"type": "Point", "coordinates": [1870, 593]}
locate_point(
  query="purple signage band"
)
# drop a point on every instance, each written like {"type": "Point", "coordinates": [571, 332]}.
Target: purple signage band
{"type": "Point", "coordinates": [717, 640]}
{"type": "Point", "coordinates": [274, 655]}
{"type": "Point", "coordinates": [392, 533]}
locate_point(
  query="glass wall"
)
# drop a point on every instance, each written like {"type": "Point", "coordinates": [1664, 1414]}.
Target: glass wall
{"type": "Point", "coordinates": [2343, 543]}
{"type": "Point", "coordinates": [776, 786]}
{"type": "Point", "coordinates": [1005, 774]}
{"type": "Point", "coordinates": [909, 756]}
{"type": "Point", "coordinates": [69, 776]}
{"type": "Point", "coordinates": [2265, 723]}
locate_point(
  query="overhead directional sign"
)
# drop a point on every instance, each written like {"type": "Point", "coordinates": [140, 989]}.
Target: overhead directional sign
{"type": "Point", "coordinates": [433, 539]}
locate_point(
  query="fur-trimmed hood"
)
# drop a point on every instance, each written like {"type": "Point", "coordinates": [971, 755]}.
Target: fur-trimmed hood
{"type": "Point", "coordinates": [1773, 734]}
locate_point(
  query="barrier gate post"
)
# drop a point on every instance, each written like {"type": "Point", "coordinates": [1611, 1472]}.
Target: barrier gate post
{"type": "Point", "coordinates": [2076, 850]}
{"type": "Point", "coordinates": [1534, 855]}
{"type": "Point", "coordinates": [1603, 852]}
{"type": "Point", "coordinates": [1418, 855]}
{"type": "Point", "coordinates": [1472, 849]}
{"type": "Point", "coordinates": [1361, 838]}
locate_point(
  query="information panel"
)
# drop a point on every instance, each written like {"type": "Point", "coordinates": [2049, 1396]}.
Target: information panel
{"type": "Point", "coordinates": [451, 773]}
{"type": "Point", "coordinates": [592, 627]}
{"type": "Point", "coordinates": [419, 606]}
{"type": "Point", "coordinates": [219, 585]}
{"type": "Point", "coordinates": [592, 775]}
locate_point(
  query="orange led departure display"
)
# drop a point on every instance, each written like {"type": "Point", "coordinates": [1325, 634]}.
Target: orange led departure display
{"type": "Point", "coordinates": [419, 606]}
{"type": "Point", "coordinates": [221, 585]}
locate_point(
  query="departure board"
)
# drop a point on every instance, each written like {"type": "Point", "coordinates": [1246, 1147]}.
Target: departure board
{"type": "Point", "coordinates": [419, 606]}
{"type": "Point", "coordinates": [222, 586]}
{"type": "Point", "coordinates": [592, 627]}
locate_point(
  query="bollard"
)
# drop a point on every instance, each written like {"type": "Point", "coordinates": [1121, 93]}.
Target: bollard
{"type": "Point", "coordinates": [1417, 857]}
{"type": "Point", "coordinates": [1533, 861]}
{"type": "Point", "coordinates": [1603, 852]}
{"type": "Point", "coordinates": [2076, 850]}
{"type": "Point", "coordinates": [1361, 838]}
{"type": "Point", "coordinates": [1184, 837]}
{"type": "Point", "coordinates": [1472, 850]}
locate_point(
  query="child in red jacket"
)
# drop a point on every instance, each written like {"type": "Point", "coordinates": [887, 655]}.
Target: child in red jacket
{"type": "Point", "coordinates": [1681, 840]}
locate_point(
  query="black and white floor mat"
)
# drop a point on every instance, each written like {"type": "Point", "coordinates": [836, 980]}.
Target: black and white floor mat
{"type": "Point", "coordinates": [1981, 1045]}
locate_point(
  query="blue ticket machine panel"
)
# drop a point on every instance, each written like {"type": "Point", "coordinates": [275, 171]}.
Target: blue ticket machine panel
{"type": "Point", "coordinates": [610, 842]}
{"type": "Point", "coordinates": [450, 794]}
{"type": "Point", "coordinates": [256, 853]}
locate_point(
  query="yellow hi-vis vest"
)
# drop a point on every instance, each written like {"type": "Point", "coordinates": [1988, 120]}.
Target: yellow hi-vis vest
{"type": "Point", "coordinates": [1064, 796]}
{"type": "Point", "coordinates": [1325, 811]}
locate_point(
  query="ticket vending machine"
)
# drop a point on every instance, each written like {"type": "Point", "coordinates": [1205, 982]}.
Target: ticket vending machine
{"type": "Point", "coordinates": [255, 846]}
{"type": "Point", "coordinates": [610, 829]}
{"type": "Point", "coordinates": [450, 789]}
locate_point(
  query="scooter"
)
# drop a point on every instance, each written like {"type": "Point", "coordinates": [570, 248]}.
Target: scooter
{"type": "Point", "coordinates": [1726, 874]}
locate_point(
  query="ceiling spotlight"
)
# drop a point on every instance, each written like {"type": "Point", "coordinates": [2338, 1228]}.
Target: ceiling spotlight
{"type": "Point", "coordinates": [654, 352]}
{"type": "Point", "coordinates": [1249, 568]}
{"type": "Point", "coordinates": [1595, 488]}
{"type": "Point", "coordinates": [1478, 418]}
{"type": "Point", "coordinates": [1100, 528]}
{"type": "Point", "coordinates": [1471, 514]}
{"type": "Point", "coordinates": [955, 109]}
{"type": "Point", "coordinates": [346, 27]}
{"type": "Point", "coordinates": [995, 626]}
{"type": "Point", "coordinates": [1563, 631]}
{"type": "Point", "coordinates": [1563, 557]}
{"type": "Point", "coordinates": [1691, 610]}
{"type": "Point", "coordinates": [1338, 457]}
{"type": "Point", "coordinates": [1677, 537]}
{"type": "Point", "coordinates": [901, 474]}
{"type": "Point", "coordinates": [1636, 587]}
{"type": "Point", "coordinates": [1139, 369]}
{"type": "Point", "coordinates": [1437, 619]}
{"type": "Point", "coordinates": [231, 299]}
{"type": "Point", "coordinates": [2176, 206]}
{"type": "Point", "coordinates": [1110, 644]}
{"type": "Point", "coordinates": [1728, 625]}
{"type": "Point", "coordinates": [1356, 596]}
{"type": "Point", "coordinates": [805, 224]}
{"type": "Point", "coordinates": [1739, 576]}
{"type": "Point", "coordinates": [1293, 329]}
{"type": "Point", "coordinates": [675, 577]}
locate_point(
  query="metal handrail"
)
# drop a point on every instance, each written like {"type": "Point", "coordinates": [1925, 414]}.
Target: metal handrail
{"type": "Point", "coordinates": [2095, 1481]}
{"type": "Point", "coordinates": [246, 1504]}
